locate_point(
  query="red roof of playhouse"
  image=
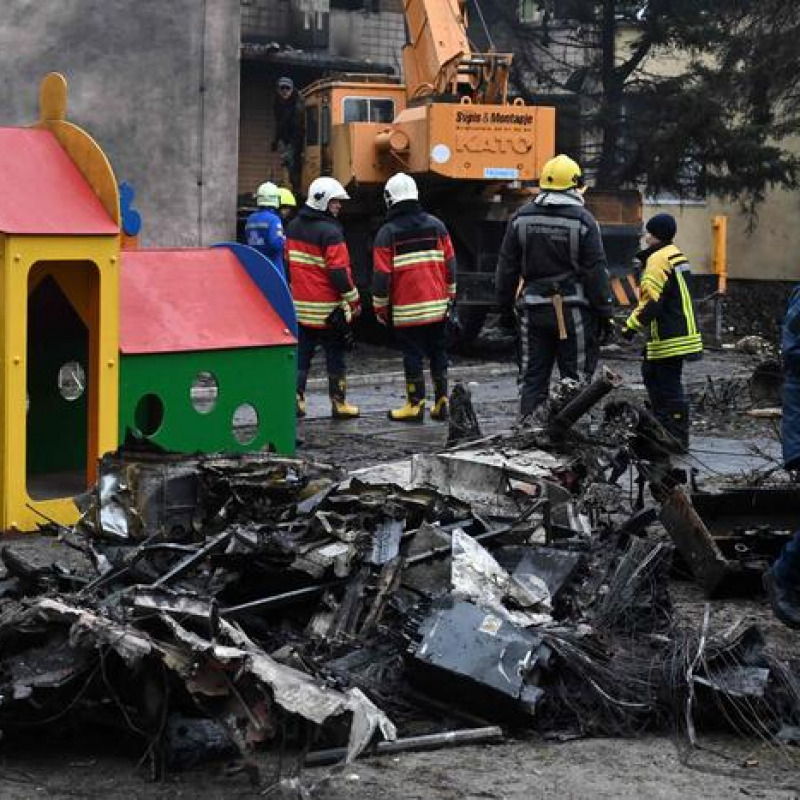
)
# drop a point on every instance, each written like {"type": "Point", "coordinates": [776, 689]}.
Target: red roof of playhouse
{"type": "Point", "coordinates": [189, 300]}
{"type": "Point", "coordinates": [42, 191]}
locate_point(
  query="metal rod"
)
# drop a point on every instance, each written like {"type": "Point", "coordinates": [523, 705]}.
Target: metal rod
{"type": "Point", "coordinates": [280, 599]}
{"type": "Point", "coordinates": [184, 566]}
{"type": "Point", "coordinates": [447, 547]}
{"type": "Point", "coordinates": [433, 741]}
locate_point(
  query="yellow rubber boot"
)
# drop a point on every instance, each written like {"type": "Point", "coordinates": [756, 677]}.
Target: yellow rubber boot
{"type": "Point", "coordinates": [441, 406]}
{"type": "Point", "coordinates": [440, 409]}
{"type": "Point", "coordinates": [340, 408]}
{"type": "Point", "coordinates": [414, 408]}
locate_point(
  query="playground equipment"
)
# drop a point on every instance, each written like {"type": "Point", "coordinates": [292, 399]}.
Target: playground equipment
{"type": "Point", "coordinates": [191, 350]}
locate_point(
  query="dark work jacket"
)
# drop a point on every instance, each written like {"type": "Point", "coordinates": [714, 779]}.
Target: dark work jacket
{"type": "Point", "coordinates": [553, 244]}
{"type": "Point", "coordinates": [287, 119]}
{"type": "Point", "coordinates": [790, 350]}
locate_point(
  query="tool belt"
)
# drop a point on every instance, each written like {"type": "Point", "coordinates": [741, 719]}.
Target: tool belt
{"type": "Point", "coordinates": [557, 291]}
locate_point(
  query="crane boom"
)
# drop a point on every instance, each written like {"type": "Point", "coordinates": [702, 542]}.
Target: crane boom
{"type": "Point", "coordinates": [439, 61]}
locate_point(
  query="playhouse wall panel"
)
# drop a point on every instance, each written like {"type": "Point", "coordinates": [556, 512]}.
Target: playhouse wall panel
{"type": "Point", "coordinates": [261, 377]}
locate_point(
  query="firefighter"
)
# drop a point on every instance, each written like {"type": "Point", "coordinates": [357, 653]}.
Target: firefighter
{"type": "Point", "coordinates": [666, 314]}
{"type": "Point", "coordinates": [287, 204]}
{"type": "Point", "coordinates": [264, 228]}
{"type": "Point", "coordinates": [325, 299]}
{"type": "Point", "coordinates": [782, 581]}
{"type": "Point", "coordinates": [552, 264]}
{"type": "Point", "coordinates": [414, 289]}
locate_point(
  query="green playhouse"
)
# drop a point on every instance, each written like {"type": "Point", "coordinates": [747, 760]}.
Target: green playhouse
{"type": "Point", "coordinates": [207, 351]}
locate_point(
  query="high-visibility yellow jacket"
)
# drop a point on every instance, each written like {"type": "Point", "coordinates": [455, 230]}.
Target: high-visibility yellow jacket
{"type": "Point", "coordinates": [666, 311]}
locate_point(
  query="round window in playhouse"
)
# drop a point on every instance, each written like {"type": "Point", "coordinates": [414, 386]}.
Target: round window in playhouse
{"type": "Point", "coordinates": [245, 424]}
{"type": "Point", "coordinates": [71, 381]}
{"type": "Point", "coordinates": [149, 414]}
{"type": "Point", "coordinates": [204, 392]}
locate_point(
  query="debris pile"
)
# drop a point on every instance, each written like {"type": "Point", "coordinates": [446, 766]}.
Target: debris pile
{"type": "Point", "coordinates": [222, 604]}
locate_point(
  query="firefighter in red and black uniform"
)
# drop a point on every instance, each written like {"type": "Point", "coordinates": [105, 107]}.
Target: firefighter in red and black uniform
{"type": "Point", "coordinates": [414, 290]}
{"type": "Point", "coordinates": [325, 298]}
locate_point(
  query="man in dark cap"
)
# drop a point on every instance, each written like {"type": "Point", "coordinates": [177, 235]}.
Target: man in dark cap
{"type": "Point", "coordinates": [666, 316]}
{"type": "Point", "coordinates": [288, 139]}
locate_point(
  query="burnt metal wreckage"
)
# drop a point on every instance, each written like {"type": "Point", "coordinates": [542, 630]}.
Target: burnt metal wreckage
{"type": "Point", "coordinates": [211, 606]}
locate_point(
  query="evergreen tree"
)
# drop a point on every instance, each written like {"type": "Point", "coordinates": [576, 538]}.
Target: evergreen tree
{"type": "Point", "coordinates": [687, 96]}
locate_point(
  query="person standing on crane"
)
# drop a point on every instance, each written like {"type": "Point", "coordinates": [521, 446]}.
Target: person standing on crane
{"type": "Point", "coordinates": [325, 299]}
{"type": "Point", "coordinates": [665, 313]}
{"type": "Point", "coordinates": [264, 228]}
{"type": "Point", "coordinates": [288, 113]}
{"type": "Point", "coordinates": [553, 266]}
{"type": "Point", "coordinates": [414, 289]}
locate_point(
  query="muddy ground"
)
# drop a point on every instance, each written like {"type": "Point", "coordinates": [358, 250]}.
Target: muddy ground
{"type": "Point", "coordinates": [646, 767]}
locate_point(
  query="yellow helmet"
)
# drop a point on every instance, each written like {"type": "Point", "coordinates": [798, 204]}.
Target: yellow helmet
{"type": "Point", "coordinates": [286, 197]}
{"type": "Point", "coordinates": [559, 174]}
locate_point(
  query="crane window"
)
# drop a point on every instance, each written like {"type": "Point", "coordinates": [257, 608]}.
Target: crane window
{"type": "Point", "coordinates": [368, 109]}
{"type": "Point", "coordinates": [325, 127]}
{"type": "Point", "coordinates": [312, 125]}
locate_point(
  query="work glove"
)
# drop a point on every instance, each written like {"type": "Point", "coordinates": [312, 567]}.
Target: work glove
{"type": "Point", "coordinates": [339, 326]}
{"type": "Point", "coordinates": [628, 334]}
{"type": "Point", "coordinates": [607, 330]}
{"type": "Point", "coordinates": [351, 308]}
{"type": "Point", "coordinates": [454, 327]}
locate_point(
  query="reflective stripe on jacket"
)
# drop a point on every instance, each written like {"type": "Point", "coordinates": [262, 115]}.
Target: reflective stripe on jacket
{"type": "Point", "coordinates": [319, 268]}
{"type": "Point", "coordinates": [553, 243]}
{"type": "Point", "coordinates": [414, 275]}
{"type": "Point", "coordinates": [665, 310]}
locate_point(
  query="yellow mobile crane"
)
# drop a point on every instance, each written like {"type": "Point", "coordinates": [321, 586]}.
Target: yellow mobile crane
{"type": "Point", "coordinates": [450, 125]}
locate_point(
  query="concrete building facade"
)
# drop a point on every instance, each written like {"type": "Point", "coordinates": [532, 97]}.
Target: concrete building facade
{"type": "Point", "coordinates": [305, 40]}
{"type": "Point", "coordinates": [155, 83]}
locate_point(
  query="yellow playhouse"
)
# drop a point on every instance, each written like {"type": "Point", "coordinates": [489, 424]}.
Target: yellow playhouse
{"type": "Point", "coordinates": [59, 275]}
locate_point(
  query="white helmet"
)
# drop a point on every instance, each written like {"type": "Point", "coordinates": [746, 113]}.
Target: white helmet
{"type": "Point", "coordinates": [398, 188]}
{"type": "Point", "coordinates": [268, 195]}
{"type": "Point", "coordinates": [323, 190]}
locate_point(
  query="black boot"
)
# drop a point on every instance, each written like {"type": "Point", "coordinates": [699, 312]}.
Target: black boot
{"type": "Point", "coordinates": [440, 408]}
{"type": "Point", "coordinates": [784, 599]}
{"type": "Point", "coordinates": [674, 417]}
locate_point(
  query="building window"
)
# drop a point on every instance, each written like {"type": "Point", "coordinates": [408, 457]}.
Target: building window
{"type": "Point", "coordinates": [368, 109]}
{"type": "Point", "coordinates": [533, 12]}
{"type": "Point", "coordinates": [354, 5]}
{"type": "Point", "coordinates": [530, 11]}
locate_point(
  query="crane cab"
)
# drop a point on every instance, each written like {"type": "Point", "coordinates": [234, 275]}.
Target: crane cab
{"type": "Point", "coordinates": [343, 117]}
